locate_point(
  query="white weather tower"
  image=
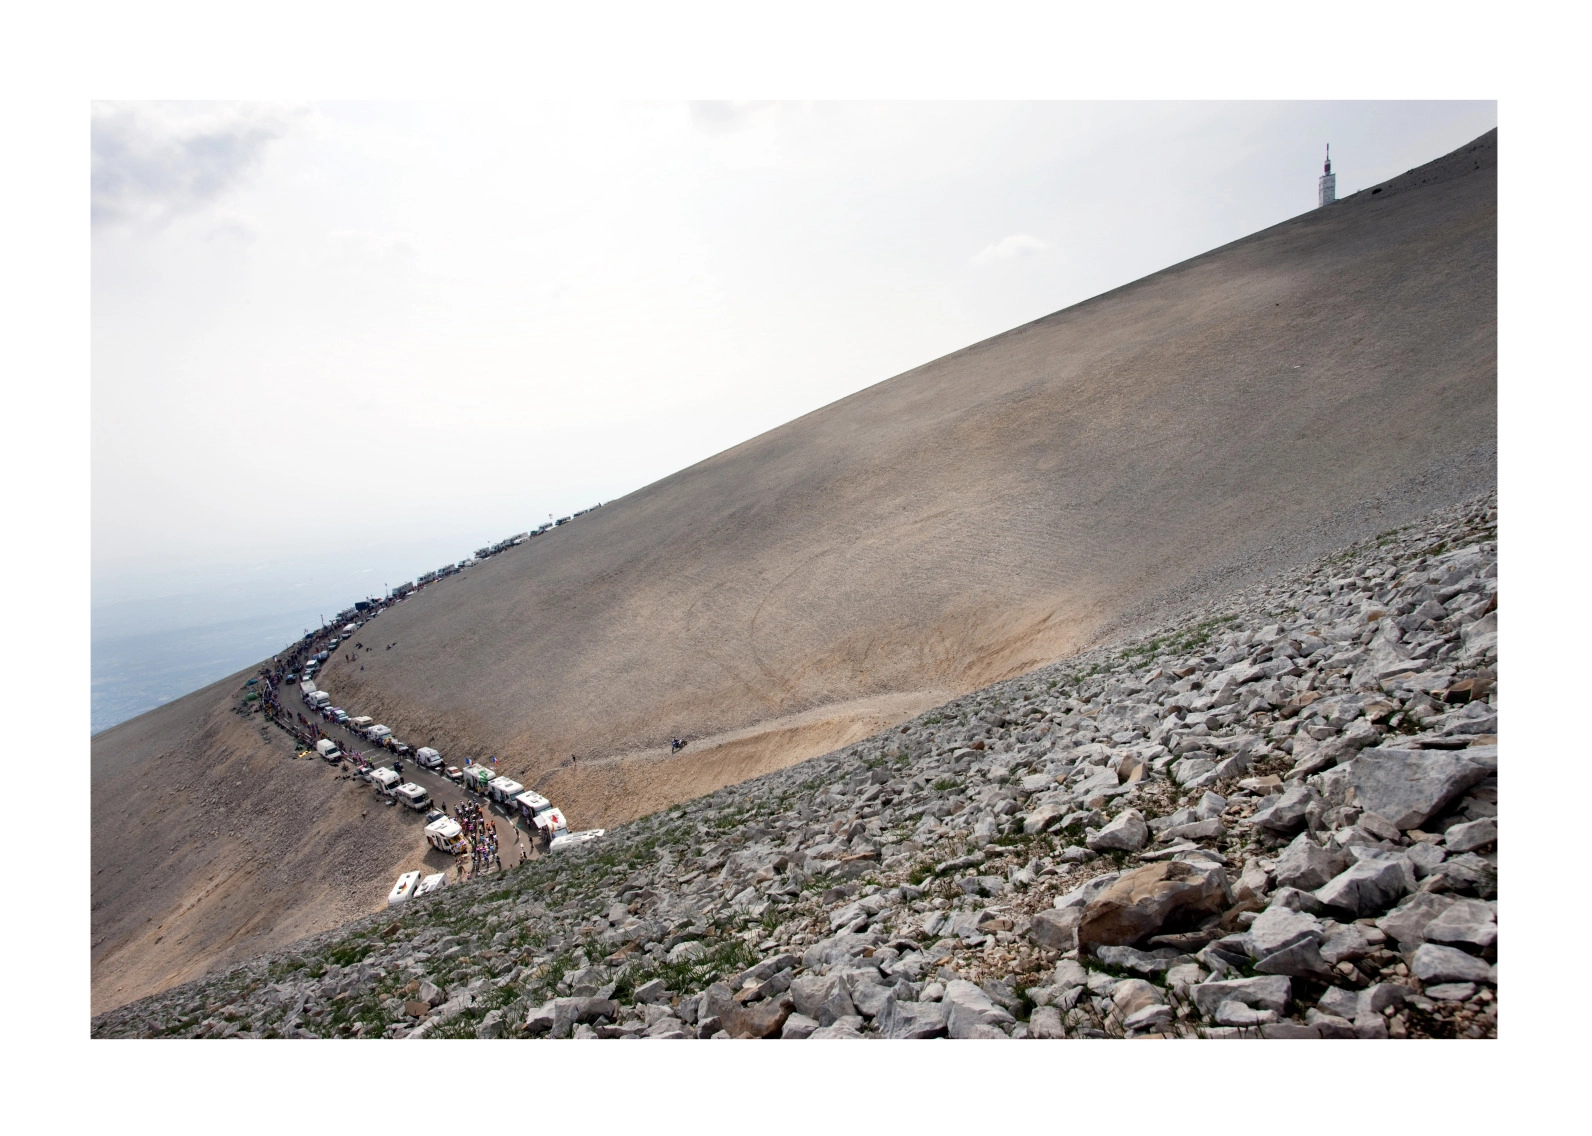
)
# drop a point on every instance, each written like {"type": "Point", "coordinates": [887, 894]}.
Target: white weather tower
{"type": "Point", "coordinates": [1327, 187]}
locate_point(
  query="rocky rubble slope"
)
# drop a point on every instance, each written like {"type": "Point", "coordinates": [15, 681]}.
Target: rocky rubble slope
{"type": "Point", "coordinates": [1276, 818]}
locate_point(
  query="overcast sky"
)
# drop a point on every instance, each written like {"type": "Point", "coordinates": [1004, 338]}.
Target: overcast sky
{"type": "Point", "coordinates": [334, 345]}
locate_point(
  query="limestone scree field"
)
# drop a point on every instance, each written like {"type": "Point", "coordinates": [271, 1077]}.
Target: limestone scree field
{"type": "Point", "coordinates": [1053, 488]}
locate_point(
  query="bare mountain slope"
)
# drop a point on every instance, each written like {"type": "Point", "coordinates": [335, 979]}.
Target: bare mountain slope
{"type": "Point", "coordinates": [989, 511]}
{"type": "Point", "coordinates": [983, 514]}
{"type": "Point", "coordinates": [210, 845]}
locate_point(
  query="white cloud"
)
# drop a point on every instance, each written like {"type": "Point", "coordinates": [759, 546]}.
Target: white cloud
{"type": "Point", "coordinates": [154, 163]}
{"type": "Point", "coordinates": [1010, 248]}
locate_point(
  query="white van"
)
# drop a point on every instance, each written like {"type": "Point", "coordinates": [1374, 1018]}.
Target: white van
{"type": "Point", "coordinates": [307, 687]}
{"type": "Point", "coordinates": [551, 821]}
{"type": "Point", "coordinates": [404, 888]}
{"type": "Point", "coordinates": [531, 802]}
{"type": "Point", "coordinates": [376, 733]}
{"type": "Point", "coordinates": [503, 789]}
{"type": "Point", "coordinates": [446, 835]}
{"type": "Point", "coordinates": [428, 758]}
{"type": "Point", "coordinates": [320, 698]}
{"type": "Point", "coordinates": [385, 780]}
{"type": "Point", "coordinates": [327, 748]}
{"type": "Point", "coordinates": [414, 796]}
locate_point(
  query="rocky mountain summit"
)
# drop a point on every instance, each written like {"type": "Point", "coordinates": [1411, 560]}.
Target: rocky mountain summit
{"type": "Point", "coordinates": [1277, 818]}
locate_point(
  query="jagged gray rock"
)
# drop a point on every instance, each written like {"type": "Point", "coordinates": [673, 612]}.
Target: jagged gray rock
{"type": "Point", "coordinates": [1306, 865]}
{"type": "Point", "coordinates": [1406, 786]}
{"type": "Point", "coordinates": [1369, 886]}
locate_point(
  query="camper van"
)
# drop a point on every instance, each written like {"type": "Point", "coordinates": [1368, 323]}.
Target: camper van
{"type": "Point", "coordinates": [428, 758]}
{"type": "Point", "coordinates": [318, 699]}
{"type": "Point", "coordinates": [531, 802]}
{"type": "Point", "coordinates": [307, 688]}
{"type": "Point", "coordinates": [376, 733]}
{"type": "Point", "coordinates": [385, 780]}
{"type": "Point", "coordinates": [327, 748]}
{"type": "Point", "coordinates": [477, 777]}
{"type": "Point", "coordinates": [364, 721]}
{"type": "Point", "coordinates": [445, 835]}
{"type": "Point", "coordinates": [413, 796]}
{"type": "Point", "coordinates": [404, 888]}
{"type": "Point", "coordinates": [432, 883]}
{"type": "Point", "coordinates": [503, 790]}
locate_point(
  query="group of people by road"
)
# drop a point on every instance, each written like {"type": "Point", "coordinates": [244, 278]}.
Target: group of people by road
{"type": "Point", "coordinates": [481, 828]}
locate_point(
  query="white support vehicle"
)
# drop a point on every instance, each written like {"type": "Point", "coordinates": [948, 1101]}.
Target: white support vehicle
{"type": "Point", "coordinates": [385, 780]}
{"type": "Point", "coordinates": [503, 789]}
{"type": "Point", "coordinates": [318, 699]}
{"type": "Point", "coordinates": [446, 835]}
{"type": "Point", "coordinates": [477, 777]}
{"type": "Point", "coordinates": [404, 888]}
{"type": "Point", "coordinates": [530, 803]}
{"type": "Point", "coordinates": [551, 821]}
{"type": "Point", "coordinates": [413, 796]}
{"type": "Point", "coordinates": [350, 629]}
{"type": "Point", "coordinates": [327, 748]}
{"type": "Point", "coordinates": [428, 758]}
{"type": "Point", "coordinates": [360, 723]}
{"type": "Point", "coordinates": [307, 688]}
{"type": "Point", "coordinates": [573, 839]}
{"type": "Point", "coordinates": [432, 883]}
{"type": "Point", "coordinates": [376, 733]}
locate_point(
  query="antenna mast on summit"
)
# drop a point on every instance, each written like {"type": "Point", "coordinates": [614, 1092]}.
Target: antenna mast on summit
{"type": "Point", "coordinates": [1327, 187]}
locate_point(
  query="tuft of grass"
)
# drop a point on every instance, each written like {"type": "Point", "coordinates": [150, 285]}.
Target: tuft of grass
{"type": "Point", "coordinates": [726, 956]}
{"type": "Point", "coordinates": [349, 953]}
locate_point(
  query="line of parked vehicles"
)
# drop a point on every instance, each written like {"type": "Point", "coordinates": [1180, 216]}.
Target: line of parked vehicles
{"type": "Point", "coordinates": [442, 832]}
